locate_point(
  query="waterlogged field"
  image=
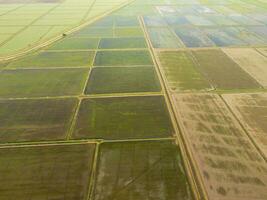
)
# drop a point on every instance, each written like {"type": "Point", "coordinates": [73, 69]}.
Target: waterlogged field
{"type": "Point", "coordinates": [157, 100]}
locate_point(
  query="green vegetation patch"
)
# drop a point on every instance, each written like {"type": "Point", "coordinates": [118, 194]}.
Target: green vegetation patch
{"type": "Point", "coordinates": [222, 71]}
{"type": "Point", "coordinates": [119, 58]}
{"type": "Point", "coordinates": [121, 43]}
{"type": "Point", "coordinates": [129, 32]}
{"type": "Point", "coordinates": [180, 71]}
{"type": "Point", "coordinates": [141, 170]}
{"type": "Point", "coordinates": [123, 118]}
{"type": "Point", "coordinates": [46, 172]}
{"type": "Point", "coordinates": [76, 43]}
{"type": "Point", "coordinates": [95, 32]}
{"type": "Point", "coordinates": [35, 120]}
{"type": "Point", "coordinates": [55, 59]}
{"type": "Point", "coordinates": [123, 80]}
{"type": "Point", "coordinates": [42, 82]}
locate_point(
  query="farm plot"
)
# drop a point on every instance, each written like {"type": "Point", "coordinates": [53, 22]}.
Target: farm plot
{"type": "Point", "coordinates": [193, 37]}
{"type": "Point", "coordinates": [245, 35]}
{"type": "Point", "coordinates": [199, 20]}
{"type": "Point", "coordinates": [154, 21]}
{"type": "Point", "coordinates": [72, 43]}
{"type": "Point", "coordinates": [223, 39]}
{"type": "Point", "coordinates": [251, 61]}
{"type": "Point", "coordinates": [128, 32]}
{"type": "Point", "coordinates": [163, 38]}
{"type": "Point", "coordinates": [105, 80]}
{"type": "Point", "coordinates": [223, 72]}
{"type": "Point", "coordinates": [46, 172]}
{"type": "Point", "coordinates": [260, 31]}
{"type": "Point", "coordinates": [123, 118]}
{"type": "Point", "coordinates": [141, 170]}
{"type": "Point", "coordinates": [251, 109]}
{"type": "Point", "coordinates": [96, 32]}
{"type": "Point", "coordinates": [55, 59]}
{"type": "Point", "coordinates": [42, 82]}
{"type": "Point", "coordinates": [122, 43]}
{"type": "Point", "coordinates": [229, 164]}
{"type": "Point", "coordinates": [126, 21]}
{"type": "Point", "coordinates": [121, 58]}
{"type": "Point", "coordinates": [177, 21]}
{"type": "Point", "coordinates": [263, 51]}
{"type": "Point", "coordinates": [35, 120]}
{"type": "Point", "coordinates": [180, 71]}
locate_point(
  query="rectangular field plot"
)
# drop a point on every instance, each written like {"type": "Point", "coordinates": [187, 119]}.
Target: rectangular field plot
{"type": "Point", "coordinates": [126, 21]}
{"type": "Point", "coordinates": [128, 32]}
{"type": "Point", "coordinates": [141, 170]}
{"type": "Point", "coordinates": [105, 80]}
{"type": "Point", "coordinates": [55, 59]}
{"type": "Point", "coordinates": [95, 32]}
{"type": "Point", "coordinates": [120, 58]}
{"type": "Point", "coordinates": [222, 38]}
{"type": "Point", "coordinates": [122, 43]}
{"type": "Point", "coordinates": [263, 51]}
{"type": "Point", "coordinates": [251, 61]}
{"type": "Point", "coordinates": [123, 118]}
{"type": "Point", "coordinates": [163, 38]}
{"type": "Point", "coordinates": [35, 120]}
{"type": "Point", "coordinates": [42, 82]}
{"type": "Point", "coordinates": [230, 165]}
{"type": "Point", "coordinates": [154, 21]}
{"type": "Point", "coordinates": [251, 109]}
{"type": "Point", "coordinates": [75, 43]}
{"type": "Point", "coordinates": [46, 172]}
{"type": "Point", "coordinates": [193, 37]}
{"type": "Point", "coordinates": [180, 71]}
{"type": "Point", "coordinates": [223, 72]}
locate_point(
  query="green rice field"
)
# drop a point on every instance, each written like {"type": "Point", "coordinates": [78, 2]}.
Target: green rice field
{"type": "Point", "coordinates": [133, 100]}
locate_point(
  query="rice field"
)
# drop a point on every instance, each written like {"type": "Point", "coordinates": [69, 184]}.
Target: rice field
{"type": "Point", "coordinates": [133, 100]}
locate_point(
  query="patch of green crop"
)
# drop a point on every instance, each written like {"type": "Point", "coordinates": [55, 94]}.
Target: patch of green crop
{"type": "Point", "coordinates": [35, 120]}
{"type": "Point", "coordinates": [96, 32]}
{"type": "Point", "coordinates": [46, 172]}
{"type": "Point", "coordinates": [121, 43]}
{"type": "Point", "coordinates": [118, 58]}
{"type": "Point", "coordinates": [141, 170]}
{"type": "Point", "coordinates": [126, 21]}
{"type": "Point", "coordinates": [123, 118]}
{"type": "Point", "coordinates": [129, 32]}
{"type": "Point", "coordinates": [122, 80]}
{"type": "Point", "coordinates": [55, 59]}
{"type": "Point", "coordinates": [42, 82]}
{"type": "Point", "coordinates": [75, 43]}
{"type": "Point", "coordinates": [180, 71]}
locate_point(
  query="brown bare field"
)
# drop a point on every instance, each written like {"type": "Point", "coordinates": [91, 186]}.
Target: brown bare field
{"type": "Point", "coordinates": [251, 110]}
{"type": "Point", "coordinates": [251, 61]}
{"type": "Point", "coordinates": [263, 51]}
{"type": "Point", "coordinates": [230, 166]}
